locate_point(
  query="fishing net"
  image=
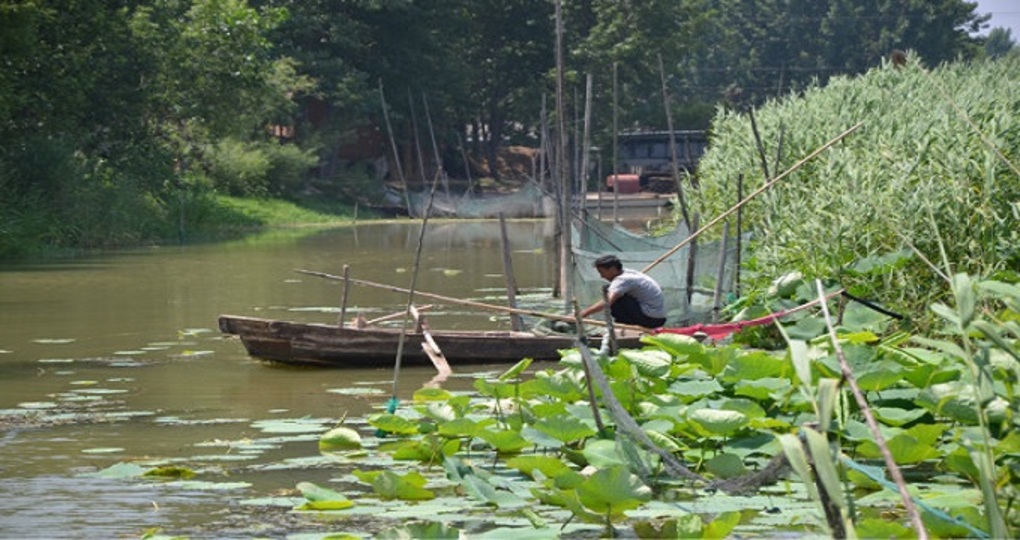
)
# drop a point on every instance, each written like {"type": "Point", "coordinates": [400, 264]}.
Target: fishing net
{"type": "Point", "coordinates": [638, 251]}
{"type": "Point", "coordinates": [527, 202]}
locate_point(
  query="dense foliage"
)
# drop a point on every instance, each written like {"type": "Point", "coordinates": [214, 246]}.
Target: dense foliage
{"type": "Point", "coordinates": [119, 119]}
{"type": "Point", "coordinates": [928, 187]}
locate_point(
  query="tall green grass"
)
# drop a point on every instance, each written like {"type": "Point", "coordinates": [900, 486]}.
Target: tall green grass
{"type": "Point", "coordinates": [917, 172]}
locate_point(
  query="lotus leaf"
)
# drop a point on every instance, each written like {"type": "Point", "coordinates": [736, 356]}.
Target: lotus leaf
{"type": "Point", "coordinates": [483, 491]}
{"type": "Point", "coordinates": [751, 409]}
{"type": "Point", "coordinates": [613, 490]}
{"type": "Point", "coordinates": [684, 526]}
{"type": "Point", "coordinates": [691, 390]}
{"type": "Point", "coordinates": [676, 344]}
{"type": "Point", "coordinates": [171, 471]}
{"type": "Point", "coordinates": [515, 371]}
{"type": "Point", "coordinates": [425, 529]}
{"type": "Point", "coordinates": [905, 449]}
{"type": "Point", "coordinates": [564, 428]}
{"type": "Point", "coordinates": [602, 453]}
{"type": "Point", "coordinates": [806, 329]}
{"type": "Point", "coordinates": [756, 365]}
{"type": "Point", "coordinates": [431, 394]}
{"type": "Point", "coordinates": [879, 376]}
{"type": "Point", "coordinates": [663, 441]}
{"type": "Point", "coordinates": [548, 466]}
{"type": "Point", "coordinates": [340, 438]}
{"type": "Point", "coordinates": [650, 363]}
{"type": "Point", "coordinates": [763, 389]}
{"type": "Point", "coordinates": [460, 427]}
{"type": "Point", "coordinates": [391, 423]}
{"type": "Point", "coordinates": [897, 417]}
{"type": "Point", "coordinates": [559, 386]}
{"type": "Point", "coordinates": [725, 466]}
{"type": "Point", "coordinates": [569, 499]}
{"type": "Point", "coordinates": [119, 470]}
{"type": "Point", "coordinates": [719, 422]}
{"type": "Point", "coordinates": [504, 441]}
{"type": "Point", "coordinates": [292, 425]}
{"type": "Point", "coordinates": [390, 485]}
{"type": "Point", "coordinates": [320, 498]}
{"type": "Point", "coordinates": [428, 450]}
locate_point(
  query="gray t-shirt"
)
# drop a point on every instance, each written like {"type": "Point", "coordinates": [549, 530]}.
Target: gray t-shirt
{"type": "Point", "coordinates": [643, 288]}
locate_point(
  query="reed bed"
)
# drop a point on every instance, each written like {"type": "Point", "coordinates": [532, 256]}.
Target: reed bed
{"type": "Point", "coordinates": [932, 175]}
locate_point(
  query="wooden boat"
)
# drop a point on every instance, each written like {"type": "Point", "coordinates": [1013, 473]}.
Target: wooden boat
{"type": "Point", "coordinates": [334, 346]}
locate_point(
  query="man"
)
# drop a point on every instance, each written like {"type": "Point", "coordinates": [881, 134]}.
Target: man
{"type": "Point", "coordinates": [634, 297]}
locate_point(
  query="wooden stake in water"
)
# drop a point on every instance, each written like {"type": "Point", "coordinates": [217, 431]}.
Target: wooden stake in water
{"type": "Point", "coordinates": [516, 323]}
{"type": "Point", "coordinates": [343, 301]}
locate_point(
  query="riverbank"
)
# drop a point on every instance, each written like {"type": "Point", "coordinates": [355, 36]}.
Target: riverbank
{"type": "Point", "coordinates": [213, 218]}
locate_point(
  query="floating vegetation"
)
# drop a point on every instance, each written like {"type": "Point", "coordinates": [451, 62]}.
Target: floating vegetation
{"type": "Point", "coordinates": [530, 451]}
{"type": "Point", "coordinates": [38, 405]}
{"type": "Point", "coordinates": [340, 438]}
{"type": "Point", "coordinates": [356, 391]}
{"type": "Point", "coordinates": [293, 425]}
{"type": "Point", "coordinates": [100, 391]}
{"type": "Point", "coordinates": [103, 450]}
{"type": "Point", "coordinates": [178, 421]}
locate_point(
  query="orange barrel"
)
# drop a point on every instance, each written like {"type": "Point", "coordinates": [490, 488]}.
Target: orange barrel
{"type": "Point", "coordinates": [629, 183]}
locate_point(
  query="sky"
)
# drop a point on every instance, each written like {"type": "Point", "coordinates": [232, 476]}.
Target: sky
{"type": "Point", "coordinates": [1005, 13]}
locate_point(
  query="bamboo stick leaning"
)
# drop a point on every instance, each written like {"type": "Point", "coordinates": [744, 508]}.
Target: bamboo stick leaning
{"type": "Point", "coordinates": [469, 303]}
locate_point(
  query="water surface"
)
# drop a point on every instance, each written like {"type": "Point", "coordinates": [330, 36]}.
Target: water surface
{"type": "Point", "coordinates": [116, 359]}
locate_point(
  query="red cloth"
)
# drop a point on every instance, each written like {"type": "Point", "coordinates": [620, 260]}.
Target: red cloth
{"type": "Point", "coordinates": [719, 331]}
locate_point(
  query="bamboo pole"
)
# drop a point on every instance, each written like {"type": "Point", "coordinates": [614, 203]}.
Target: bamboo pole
{"type": "Point", "coordinates": [592, 401]}
{"type": "Point", "coordinates": [417, 138]}
{"type": "Point", "coordinates": [343, 300]}
{"type": "Point", "coordinates": [721, 273]}
{"type": "Point", "coordinates": [616, 166]}
{"type": "Point", "coordinates": [761, 148]}
{"type": "Point", "coordinates": [516, 324]}
{"type": "Point", "coordinates": [410, 293]}
{"type": "Point", "coordinates": [672, 149]}
{"type": "Point", "coordinates": [435, 147]}
{"type": "Point", "coordinates": [586, 145]}
{"type": "Point", "coordinates": [869, 417]}
{"type": "Point", "coordinates": [393, 145]}
{"type": "Point", "coordinates": [740, 232]}
{"type": "Point", "coordinates": [468, 303]}
{"type": "Point", "coordinates": [692, 261]}
{"type": "Point", "coordinates": [467, 163]}
{"type": "Point", "coordinates": [391, 316]}
{"type": "Point", "coordinates": [562, 166]}
{"type": "Point", "coordinates": [753, 194]}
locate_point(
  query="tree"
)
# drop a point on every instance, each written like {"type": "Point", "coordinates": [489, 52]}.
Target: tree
{"type": "Point", "coordinates": [509, 57]}
{"type": "Point", "coordinates": [756, 49]}
{"type": "Point", "coordinates": [999, 42]}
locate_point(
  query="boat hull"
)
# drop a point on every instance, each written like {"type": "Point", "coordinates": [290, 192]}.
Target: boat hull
{"type": "Point", "coordinates": [333, 346]}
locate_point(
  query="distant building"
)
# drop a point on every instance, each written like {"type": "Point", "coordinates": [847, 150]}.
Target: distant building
{"type": "Point", "coordinates": [647, 154]}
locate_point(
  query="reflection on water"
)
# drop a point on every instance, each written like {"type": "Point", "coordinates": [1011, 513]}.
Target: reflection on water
{"type": "Point", "coordinates": [116, 359]}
